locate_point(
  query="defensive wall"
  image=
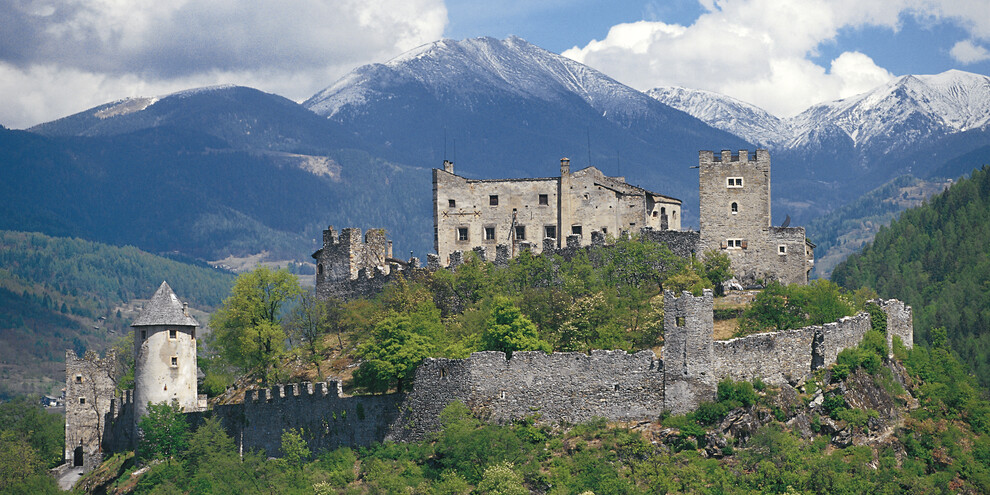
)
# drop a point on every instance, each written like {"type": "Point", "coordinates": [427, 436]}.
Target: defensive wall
{"type": "Point", "coordinates": [560, 387]}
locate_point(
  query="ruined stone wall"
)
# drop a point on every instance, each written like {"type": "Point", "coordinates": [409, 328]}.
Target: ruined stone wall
{"type": "Point", "coordinates": [343, 257]}
{"type": "Point", "coordinates": [688, 351]}
{"type": "Point", "coordinates": [683, 244]}
{"type": "Point", "coordinates": [777, 358]}
{"type": "Point", "coordinates": [324, 418]}
{"type": "Point", "coordinates": [899, 322]}
{"type": "Point", "coordinates": [90, 383]}
{"type": "Point", "coordinates": [847, 332]}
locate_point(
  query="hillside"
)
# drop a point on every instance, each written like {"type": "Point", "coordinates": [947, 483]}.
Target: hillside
{"type": "Point", "coordinates": [846, 230]}
{"type": "Point", "coordinates": [60, 293]}
{"type": "Point", "coordinates": [935, 257]}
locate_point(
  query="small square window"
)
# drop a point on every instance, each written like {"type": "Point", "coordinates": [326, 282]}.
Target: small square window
{"type": "Point", "coordinates": [78, 378]}
{"type": "Point", "coordinates": [82, 400]}
{"type": "Point", "coordinates": [782, 249]}
{"type": "Point", "coordinates": [173, 334]}
{"type": "Point", "coordinates": [175, 361]}
{"type": "Point", "coordinates": [734, 243]}
{"type": "Point", "coordinates": [489, 233]}
{"type": "Point", "coordinates": [735, 182]}
{"type": "Point", "coordinates": [550, 231]}
{"type": "Point", "coordinates": [493, 200]}
{"type": "Point", "coordinates": [544, 199]}
{"type": "Point", "coordinates": [576, 229]}
{"type": "Point", "coordinates": [451, 203]}
{"type": "Point", "coordinates": [521, 232]}
{"type": "Point", "coordinates": [680, 321]}
{"type": "Point", "coordinates": [462, 233]}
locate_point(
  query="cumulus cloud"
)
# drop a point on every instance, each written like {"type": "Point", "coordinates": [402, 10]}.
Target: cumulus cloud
{"type": "Point", "coordinates": [968, 52]}
{"type": "Point", "coordinates": [762, 51]}
{"type": "Point", "coordinates": [98, 48]}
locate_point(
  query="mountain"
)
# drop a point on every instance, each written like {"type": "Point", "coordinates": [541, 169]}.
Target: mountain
{"type": "Point", "coordinates": [935, 258]}
{"type": "Point", "coordinates": [749, 122]}
{"type": "Point", "coordinates": [507, 108]}
{"type": "Point", "coordinates": [58, 293]}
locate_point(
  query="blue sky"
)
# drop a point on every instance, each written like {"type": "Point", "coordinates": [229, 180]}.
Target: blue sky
{"type": "Point", "coordinates": [58, 57]}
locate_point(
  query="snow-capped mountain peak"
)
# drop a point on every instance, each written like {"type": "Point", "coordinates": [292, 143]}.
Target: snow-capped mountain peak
{"type": "Point", "coordinates": [747, 121]}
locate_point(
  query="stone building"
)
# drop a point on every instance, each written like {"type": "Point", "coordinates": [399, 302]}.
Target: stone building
{"type": "Point", "coordinates": [521, 213]}
{"type": "Point", "coordinates": [165, 354]}
{"type": "Point", "coordinates": [90, 384]}
{"type": "Point", "coordinates": [344, 257]}
{"type": "Point", "coordinates": [735, 218]}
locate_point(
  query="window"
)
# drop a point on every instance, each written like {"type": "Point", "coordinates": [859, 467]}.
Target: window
{"type": "Point", "coordinates": [605, 230]}
{"type": "Point", "coordinates": [544, 199]}
{"type": "Point", "coordinates": [489, 233]}
{"type": "Point", "coordinates": [654, 213]}
{"type": "Point", "coordinates": [735, 181]}
{"type": "Point", "coordinates": [193, 334]}
{"type": "Point", "coordinates": [82, 400]}
{"type": "Point", "coordinates": [462, 233]}
{"type": "Point", "coordinates": [734, 243]}
{"type": "Point", "coordinates": [493, 200]}
{"type": "Point", "coordinates": [451, 203]}
{"type": "Point", "coordinates": [78, 378]}
{"type": "Point", "coordinates": [175, 361]}
{"type": "Point", "coordinates": [679, 321]}
{"type": "Point", "coordinates": [576, 229]}
{"type": "Point", "coordinates": [173, 334]}
{"type": "Point", "coordinates": [550, 231]}
{"type": "Point", "coordinates": [782, 249]}
{"type": "Point", "coordinates": [734, 207]}
{"type": "Point", "coordinates": [144, 334]}
{"type": "Point", "coordinates": [521, 232]}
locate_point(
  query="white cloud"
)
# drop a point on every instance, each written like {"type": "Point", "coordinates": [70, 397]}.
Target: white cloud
{"type": "Point", "coordinates": [92, 51]}
{"type": "Point", "coordinates": [762, 51]}
{"type": "Point", "coordinates": [967, 52]}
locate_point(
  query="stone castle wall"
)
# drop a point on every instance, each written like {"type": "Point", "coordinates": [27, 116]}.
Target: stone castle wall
{"type": "Point", "coordinates": [95, 420]}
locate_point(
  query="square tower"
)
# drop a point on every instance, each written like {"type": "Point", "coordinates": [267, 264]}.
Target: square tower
{"type": "Point", "coordinates": [735, 198]}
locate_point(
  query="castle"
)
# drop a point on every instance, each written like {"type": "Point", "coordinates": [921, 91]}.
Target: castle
{"type": "Point", "coordinates": [522, 213]}
{"type": "Point", "coordinates": [570, 387]}
{"type": "Point", "coordinates": [560, 387]}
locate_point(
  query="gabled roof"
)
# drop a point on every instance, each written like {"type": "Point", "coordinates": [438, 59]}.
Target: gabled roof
{"type": "Point", "coordinates": [164, 308]}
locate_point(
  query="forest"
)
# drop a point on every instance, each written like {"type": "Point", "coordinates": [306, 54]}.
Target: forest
{"type": "Point", "coordinates": [937, 259]}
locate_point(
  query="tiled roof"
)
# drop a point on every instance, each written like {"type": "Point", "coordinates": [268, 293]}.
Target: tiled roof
{"type": "Point", "coordinates": [164, 308]}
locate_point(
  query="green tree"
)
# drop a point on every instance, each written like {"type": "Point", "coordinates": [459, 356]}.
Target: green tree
{"type": "Point", "coordinates": [309, 321]}
{"type": "Point", "coordinates": [294, 450]}
{"type": "Point", "coordinates": [397, 346]}
{"type": "Point", "coordinates": [691, 278]}
{"type": "Point", "coordinates": [717, 269]}
{"type": "Point", "coordinates": [164, 432]}
{"type": "Point", "coordinates": [500, 479]}
{"type": "Point", "coordinates": [18, 460]}
{"type": "Point", "coordinates": [508, 330]}
{"type": "Point", "coordinates": [247, 328]}
{"type": "Point", "coordinates": [590, 324]}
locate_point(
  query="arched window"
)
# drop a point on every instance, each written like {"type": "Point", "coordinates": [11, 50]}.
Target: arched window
{"type": "Point", "coordinates": [734, 207]}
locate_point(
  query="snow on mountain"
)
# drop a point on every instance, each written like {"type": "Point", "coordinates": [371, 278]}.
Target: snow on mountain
{"type": "Point", "coordinates": [909, 110]}
{"type": "Point", "coordinates": [749, 122]}
{"type": "Point", "coordinates": [460, 70]}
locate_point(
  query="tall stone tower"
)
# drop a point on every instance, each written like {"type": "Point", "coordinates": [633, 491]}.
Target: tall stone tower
{"type": "Point", "coordinates": [688, 350]}
{"type": "Point", "coordinates": [164, 354]}
{"type": "Point", "coordinates": [735, 218]}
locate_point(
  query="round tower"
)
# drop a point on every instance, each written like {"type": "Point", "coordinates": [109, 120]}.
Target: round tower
{"type": "Point", "coordinates": [164, 354]}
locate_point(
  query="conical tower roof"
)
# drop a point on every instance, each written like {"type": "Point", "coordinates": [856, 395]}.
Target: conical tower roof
{"type": "Point", "coordinates": [164, 308]}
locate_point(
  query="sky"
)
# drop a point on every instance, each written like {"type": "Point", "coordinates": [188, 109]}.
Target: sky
{"type": "Point", "coordinates": [59, 57]}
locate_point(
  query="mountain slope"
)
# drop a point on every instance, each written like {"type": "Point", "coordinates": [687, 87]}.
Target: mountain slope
{"type": "Point", "coordinates": [729, 114]}
{"type": "Point", "coordinates": [58, 293]}
{"type": "Point", "coordinates": [506, 108]}
{"type": "Point", "coordinates": [935, 257]}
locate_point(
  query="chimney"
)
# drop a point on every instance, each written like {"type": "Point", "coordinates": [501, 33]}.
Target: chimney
{"type": "Point", "coordinates": [185, 308]}
{"type": "Point", "coordinates": [565, 166]}
{"type": "Point", "coordinates": [448, 166]}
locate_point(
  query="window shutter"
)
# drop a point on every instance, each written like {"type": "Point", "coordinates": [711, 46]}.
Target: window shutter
{"type": "Point", "coordinates": [744, 244]}
{"type": "Point", "coordinates": [724, 245]}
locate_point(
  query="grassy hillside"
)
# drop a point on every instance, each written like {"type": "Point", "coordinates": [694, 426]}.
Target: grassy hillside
{"type": "Point", "coordinates": [937, 258]}
{"type": "Point", "coordinates": [60, 293]}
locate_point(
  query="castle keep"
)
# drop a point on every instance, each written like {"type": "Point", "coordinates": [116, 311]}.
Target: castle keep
{"type": "Point", "coordinates": [735, 218]}
{"type": "Point", "coordinates": [522, 213]}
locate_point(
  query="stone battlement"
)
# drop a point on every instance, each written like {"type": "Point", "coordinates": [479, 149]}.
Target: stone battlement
{"type": "Point", "coordinates": [727, 156]}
